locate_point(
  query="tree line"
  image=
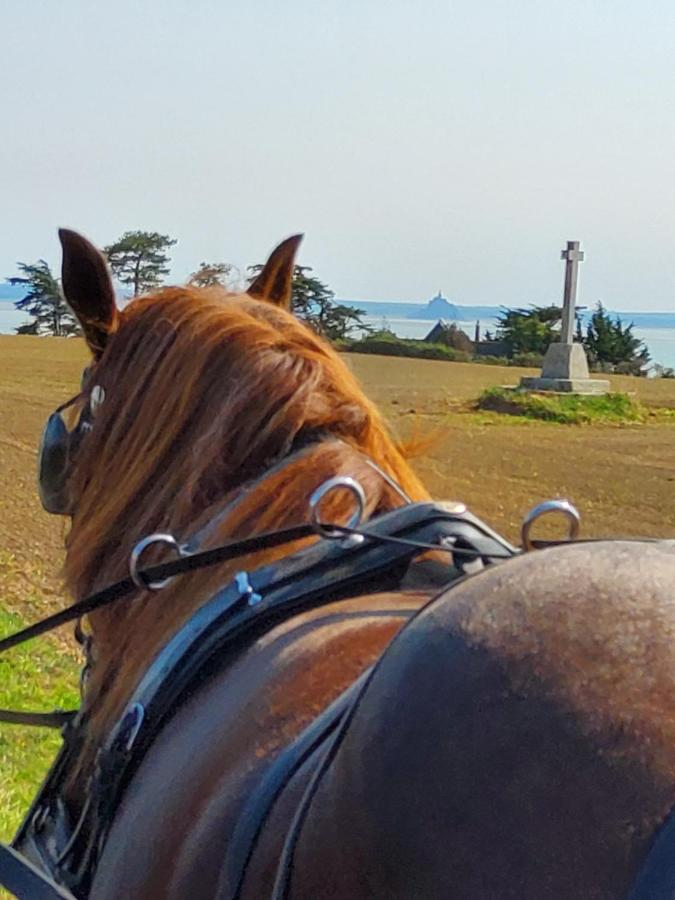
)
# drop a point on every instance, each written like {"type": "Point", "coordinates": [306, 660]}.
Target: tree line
{"type": "Point", "coordinates": [139, 261]}
{"type": "Point", "coordinates": [609, 344]}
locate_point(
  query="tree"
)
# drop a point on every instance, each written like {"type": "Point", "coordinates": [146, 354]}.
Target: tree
{"type": "Point", "coordinates": [212, 274]}
{"type": "Point", "coordinates": [43, 301]}
{"type": "Point", "coordinates": [28, 328]}
{"type": "Point", "coordinates": [529, 330]}
{"type": "Point", "coordinates": [140, 259]}
{"type": "Point", "coordinates": [314, 302]}
{"type": "Point", "coordinates": [340, 320]}
{"type": "Point", "coordinates": [611, 343]}
{"type": "Point", "coordinates": [580, 334]}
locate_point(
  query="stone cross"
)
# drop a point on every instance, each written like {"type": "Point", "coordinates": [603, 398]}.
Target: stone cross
{"type": "Point", "coordinates": [573, 256]}
{"type": "Point", "coordinates": [565, 368]}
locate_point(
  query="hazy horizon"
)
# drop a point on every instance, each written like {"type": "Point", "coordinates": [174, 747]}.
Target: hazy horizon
{"type": "Point", "coordinates": [455, 145]}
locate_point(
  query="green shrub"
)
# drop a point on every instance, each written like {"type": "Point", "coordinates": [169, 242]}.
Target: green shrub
{"type": "Point", "coordinates": [387, 344]}
{"type": "Point", "coordinates": [569, 409]}
{"type": "Point", "coordinates": [527, 360]}
{"type": "Point", "coordinates": [492, 360]}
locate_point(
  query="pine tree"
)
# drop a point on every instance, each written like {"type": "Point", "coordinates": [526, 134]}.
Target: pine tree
{"type": "Point", "coordinates": [314, 302]}
{"type": "Point", "coordinates": [528, 330]}
{"type": "Point", "coordinates": [140, 259]}
{"type": "Point", "coordinates": [43, 301]}
{"type": "Point", "coordinates": [212, 274]}
{"type": "Point", "coordinates": [610, 342]}
{"type": "Point", "coordinates": [531, 330]}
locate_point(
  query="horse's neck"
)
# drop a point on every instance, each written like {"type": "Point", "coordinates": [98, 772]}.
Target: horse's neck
{"type": "Point", "coordinates": [251, 711]}
{"type": "Point", "coordinates": [128, 636]}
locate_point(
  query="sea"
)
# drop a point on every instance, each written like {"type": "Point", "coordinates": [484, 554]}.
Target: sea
{"type": "Point", "coordinates": [660, 341]}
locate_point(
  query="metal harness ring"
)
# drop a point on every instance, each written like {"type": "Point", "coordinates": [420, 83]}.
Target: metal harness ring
{"type": "Point", "coordinates": [339, 481]}
{"type": "Point", "coordinates": [543, 509]}
{"type": "Point", "coordinates": [139, 550]}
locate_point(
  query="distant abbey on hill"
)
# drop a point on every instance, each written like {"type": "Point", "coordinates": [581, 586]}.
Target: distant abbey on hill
{"type": "Point", "coordinates": [439, 307]}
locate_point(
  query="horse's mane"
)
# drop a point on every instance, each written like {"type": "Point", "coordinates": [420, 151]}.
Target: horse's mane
{"type": "Point", "coordinates": [204, 392]}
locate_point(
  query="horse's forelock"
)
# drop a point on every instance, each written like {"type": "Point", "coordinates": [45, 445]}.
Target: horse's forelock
{"type": "Point", "coordinates": [204, 391]}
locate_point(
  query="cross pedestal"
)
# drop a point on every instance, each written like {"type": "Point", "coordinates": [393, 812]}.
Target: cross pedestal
{"type": "Point", "coordinates": [565, 366]}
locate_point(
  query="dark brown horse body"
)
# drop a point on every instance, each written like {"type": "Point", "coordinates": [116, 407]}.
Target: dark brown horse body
{"type": "Point", "coordinates": [517, 735]}
{"type": "Point", "coordinates": [224, 740]}
{"type": "Point", "coordinates": [507, 746]}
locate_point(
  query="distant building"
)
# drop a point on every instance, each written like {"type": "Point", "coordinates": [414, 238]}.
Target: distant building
{"type": "Point", "coordinates": [493, 348]}
{"type": "Point", "coordinates": [449, 334]}
{"type": "Point", "coordinates": [438, 332]}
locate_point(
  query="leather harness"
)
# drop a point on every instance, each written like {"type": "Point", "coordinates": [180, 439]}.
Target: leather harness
{"type": "Point", "coordinates": [340, 567]}
{"type": "Point", "coordinates": [53, 858]}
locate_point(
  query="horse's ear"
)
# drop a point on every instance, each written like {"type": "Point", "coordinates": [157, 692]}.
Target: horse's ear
{"type": "Point", "coordinates": [275, 281]}
{"type": "Point", "coordinates": [88, 289]}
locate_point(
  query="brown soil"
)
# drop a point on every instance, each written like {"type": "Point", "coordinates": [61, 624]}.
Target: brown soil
{"type": "Point", "coordinates": [621, 478]}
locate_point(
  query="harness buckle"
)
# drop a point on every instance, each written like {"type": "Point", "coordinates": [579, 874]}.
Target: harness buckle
{"type": "Point", "coordinates": [246, 589]}
{"type": "Point", "coordinates": [332, 484]}
{"type": "Point", "coordinates": [139, 550]}
{"type": "Point", "coordinates": [543, 509]}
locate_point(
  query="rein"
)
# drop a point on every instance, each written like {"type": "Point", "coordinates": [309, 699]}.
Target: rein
{"type": "Point", "coordinates": [126, 586]}
{"type": "Point", "coordinates": [246, 606]}
{"type": "Point", "coordinates": [192, 562]}
{"type": "Point", "coordinates": [156, 576]}
{"type": "Point", "coordinates": [208, 558]}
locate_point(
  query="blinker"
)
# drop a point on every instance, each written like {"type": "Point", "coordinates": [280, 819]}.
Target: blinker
{"type": "Point", "coordinates": [52, 463]}
{"type": "Point", "coordinates": [56, 447]}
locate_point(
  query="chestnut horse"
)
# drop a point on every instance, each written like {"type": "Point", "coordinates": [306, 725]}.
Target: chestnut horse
{"type": "Point", "coordinates": [517, 735]}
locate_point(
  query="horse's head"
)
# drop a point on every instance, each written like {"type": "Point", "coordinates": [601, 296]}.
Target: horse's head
{"type": "Point", "coordinates": [192, 394]}
{"type": "Point", "coordinates": [88, 288]}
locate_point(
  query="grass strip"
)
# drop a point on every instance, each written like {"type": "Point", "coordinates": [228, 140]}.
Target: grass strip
{"type": "Point", "coordinates": [36, 676]}
{"type": "Point", "coordinates": [567, 409]}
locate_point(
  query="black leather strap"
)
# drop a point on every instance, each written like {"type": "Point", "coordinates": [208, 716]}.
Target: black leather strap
{"type": "Point", "coordinates": [56, 719]}
{"type": "Point", "coordinates": [656, 880]}
{"type": "Point", "coordinates": [25, 881]}
{"type": "Point", "coordinates": [265, 794]}
{"type": "Point", "coordinates": [323, 572]}
{"type": "Point", "coordinates": [156, 573]}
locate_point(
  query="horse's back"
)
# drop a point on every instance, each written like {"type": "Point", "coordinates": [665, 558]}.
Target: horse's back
{"type": "Point", "coordinates": [516, 740]}
{"type": "Point", "coordinates": [222, 741]}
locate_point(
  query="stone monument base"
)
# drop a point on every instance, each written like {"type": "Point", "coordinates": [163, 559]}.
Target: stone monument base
{"type": "Point", "coordinates": [566, 361]}
{"type": "Point", "coordinates": [565, 385]}
{"type": "Point", "coordinates": [565, 371]}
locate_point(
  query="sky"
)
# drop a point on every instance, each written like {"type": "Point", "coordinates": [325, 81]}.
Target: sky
{"type": "Point", "coordinates": [437, 145]}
